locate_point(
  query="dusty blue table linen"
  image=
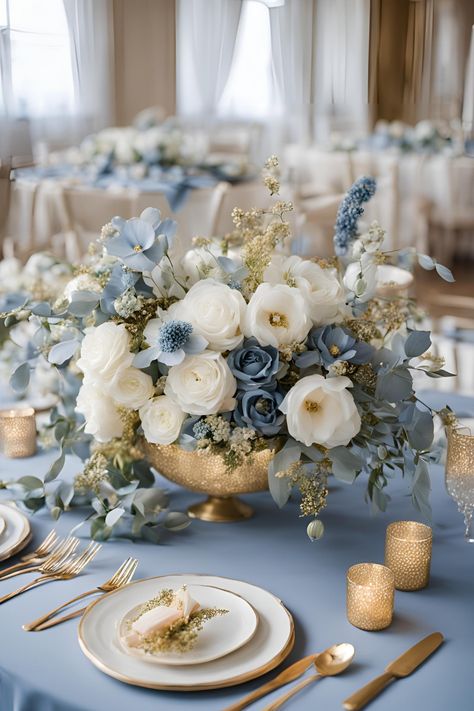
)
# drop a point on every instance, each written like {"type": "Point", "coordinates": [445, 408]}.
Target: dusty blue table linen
{"type": "Point", "coordinates": [48, 672]}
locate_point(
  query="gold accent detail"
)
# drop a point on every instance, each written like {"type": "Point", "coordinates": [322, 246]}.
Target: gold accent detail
{"type": "Point", "coordinates": [408, 554]}
{"type": "Point", "coordinates": [206, 473]}
{"type": "Point", "coordinates": [370, 593]}
{"type": "Point", "coordinates": [277, 320]}
{"type": "Point", "coordinates": [137, 248]}
{"type": "Point", "coordinates": [231, 681]}
{"type": "Point", "coordinates": [334, 350]}
{"type": "Point", "coordinates": [25, 537]}
{"type": "Point", "coordinates": [312, 406]}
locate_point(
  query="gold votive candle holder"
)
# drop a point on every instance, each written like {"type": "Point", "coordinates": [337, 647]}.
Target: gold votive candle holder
{"type": "Point", "coordinates": [408, 554]}
{"type": "Point", "coordinates": [370, 593]}
{"type": "Point", "coordinates": [18, 432]}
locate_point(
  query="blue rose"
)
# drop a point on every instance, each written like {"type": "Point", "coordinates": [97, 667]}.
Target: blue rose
{"type": "Point", "coordinates": [253, 365]}
{"type": "Point", "coordinates": [328, 344]}
{"type": "Point", "coordinates": [259, 409]}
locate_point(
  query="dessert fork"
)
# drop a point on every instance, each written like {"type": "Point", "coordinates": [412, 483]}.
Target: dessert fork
{"type": "Point", "coordinates": [61, 570]}
{"type": "Point", "coordinates": [121, 577]}
{"type": "Point", "coordinates": [44, 548]}
{"type": "Point", "coordinates": [61, 550]}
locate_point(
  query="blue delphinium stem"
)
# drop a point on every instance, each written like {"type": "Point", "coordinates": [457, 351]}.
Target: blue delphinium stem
{"type": "Point", "coordinates": [349, 212]}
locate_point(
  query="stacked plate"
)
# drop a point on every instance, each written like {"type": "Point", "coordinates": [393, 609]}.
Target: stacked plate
{"type": "Point", "coordinates": [15, 531]}
{"type": "Point", "coordinates": [254, 637]}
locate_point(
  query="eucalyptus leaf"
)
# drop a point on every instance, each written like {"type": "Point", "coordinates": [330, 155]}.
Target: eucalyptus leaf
{"type": "Point", "coordinates": [61, 352]}
{"type": "Point", "coordinates": [55, 468]}
{"type": "Point", "coordinates": [345, 464]}
{"type": "Point", "coordinates": [421, 489]}
{"type": "Point", "coordinates": [176, 520]}
{"type": "Point", "coordinates": [114, 516]}
{"type": "Point", "coordinates": [444, 272]}
{"type": "Point", "coordinates": [394, 385]}
{"type": "Point", "coordinates": [417, 343]}
{"type": "Point", "coordinates": [20, 378]}
{"type": "Point", "coordinates": [426, 262]}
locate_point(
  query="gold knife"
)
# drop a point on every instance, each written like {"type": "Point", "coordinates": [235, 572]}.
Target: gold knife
{"type": "Point", "coordinates": [289, 674]}
{"type": "Point", "coordinates": [403, 666]}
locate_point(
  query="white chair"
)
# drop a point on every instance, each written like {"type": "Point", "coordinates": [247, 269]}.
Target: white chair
{"type": "Point", "coordinates": [196, 218]}
{"type": "Point", "coordinates": [448, 214]}
{"type": "Point", "coordinates": [5, 171]}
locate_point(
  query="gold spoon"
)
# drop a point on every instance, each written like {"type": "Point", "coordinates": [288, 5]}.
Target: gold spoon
{"type": "Point", "coordinates": [332, 661]}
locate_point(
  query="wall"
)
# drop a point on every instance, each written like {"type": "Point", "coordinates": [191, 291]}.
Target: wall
{"type": "Point", "coordinates": [145, 57]}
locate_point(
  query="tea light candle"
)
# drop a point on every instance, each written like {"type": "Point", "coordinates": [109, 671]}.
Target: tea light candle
{"type": "Point", "coordinates": [370, 593]}
{"type": "Point", "coordinates": [18, 432]}
{"type": "Point", "coordinates": [408, 554]}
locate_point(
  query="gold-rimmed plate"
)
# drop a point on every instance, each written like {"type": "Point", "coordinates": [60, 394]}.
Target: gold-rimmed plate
{"type": "Point", "coordinates": [17, 531]}
{"type": "Point", "coordinates": [271, 643]}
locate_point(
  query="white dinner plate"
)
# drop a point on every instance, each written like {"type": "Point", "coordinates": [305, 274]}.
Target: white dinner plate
{"type": "Point", "coordinates": [17, 533]}
{"type": "Point", "coordinates": [218, 637]}
{"type": "Point", "coordinates": [2, 525]}
{"type": "Point", "coordinates": [272, 642]}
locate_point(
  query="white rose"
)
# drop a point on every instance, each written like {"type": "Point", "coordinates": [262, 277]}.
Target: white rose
{"type": "Point", "coordinates": [103, 421]}
{"type": "Point", "coordinates": [105, 352]}
{"type": "Point", "coordinates": [361, 277]}
{"type": "Point", "coordinates": [215, 311]}
{"type": "Point", "coordinates": [277, 315]}
{"type": "Point", "coordinates": [321, 411]}
{"type": "Point", "coordinates": [320, 287]}
{"type": "Point", "coordinates": [10, 274]}
{"type": "Point", "coordinates": [132, 388]}
{"type": "Point", "coordinates": [202, 384]}
{"type": "Point", "coordinates": [161, 420]}
{"type": "Point", "coordinates": [82, 282]}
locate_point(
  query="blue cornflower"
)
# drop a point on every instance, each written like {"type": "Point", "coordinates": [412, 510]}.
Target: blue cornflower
{"type": "Point", "coordinates": [142, 241]}
{"type": "Point", "coordinates": [169, 343]}
{"type": "Point", "coordinates": [350, 210]}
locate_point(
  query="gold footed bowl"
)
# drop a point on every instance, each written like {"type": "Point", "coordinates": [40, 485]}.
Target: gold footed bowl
{"type": "Point", "coordinates": [207, 474]}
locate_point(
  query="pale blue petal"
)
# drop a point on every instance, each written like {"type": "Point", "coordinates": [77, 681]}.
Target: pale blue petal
{"type": "Point", "coordinates": [144, 358]}
{"type": "Point", "coordinates": [174, 358]}
{"type": "Point", "coordinates": [195, 344]}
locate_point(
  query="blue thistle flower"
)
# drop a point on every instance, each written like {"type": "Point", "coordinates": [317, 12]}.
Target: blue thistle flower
{"type": "Point", "coordinates": [173, 335]}
{"type": "Point", "coordinates": [201, 429]}
{"type": "Point", "coordinates": [350, 210]}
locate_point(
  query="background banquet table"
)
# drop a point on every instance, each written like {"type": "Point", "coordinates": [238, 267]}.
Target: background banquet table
{"type": "Point", "coordinates": [47, 672]}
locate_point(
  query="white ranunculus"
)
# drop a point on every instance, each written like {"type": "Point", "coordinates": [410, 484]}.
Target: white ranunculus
{"type": "Point", "coordinates": [277, 315]}
{"type": "Point", "coordinates": [215, 312]}
{"type": "Point", "coordinates": [202, 384]}
{"type": "Point", "coordinates": [361, 277]}
{"type": "Point", "coordinates": [201, 262]}
{"type": "Point", "coordinates": [161, 420]}
{"type": "Point", "coordinates": [103, 421]}
{"type": "Point", "coordinates": [82, 282]}
{"type": "Point", "coordinates": [105, 351]}
{"type": "Point", "coordinates": [132, 388]}
{"type": "Point", "coordinates": [321, 411]}
{"type": "Point", "coordinates": [10, 274]}
{"type": "Point", "coordinates": [320, 287]}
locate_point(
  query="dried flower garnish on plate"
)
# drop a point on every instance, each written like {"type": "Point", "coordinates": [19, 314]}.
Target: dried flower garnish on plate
{"type": "Point", "coordinates": [169, 622]}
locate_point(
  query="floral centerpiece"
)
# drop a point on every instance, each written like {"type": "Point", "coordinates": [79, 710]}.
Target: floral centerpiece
{"type": "Point", "coordinates": [232, 357]}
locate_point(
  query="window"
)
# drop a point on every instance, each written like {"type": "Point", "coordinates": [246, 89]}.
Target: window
{"type": "Point", "coordinates": [251, 91]}
{"type": "Point", "coordinates": [35, 63]}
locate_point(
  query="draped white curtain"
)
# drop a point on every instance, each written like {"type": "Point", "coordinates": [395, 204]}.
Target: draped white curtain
{"type": "Point", "coordinates": [90, 24]}
{"type": "Point", "coordinates": [341, 65]}
{"type": "Point", "coordinates": [207, 31]}
{"type": "Point", "coordinates": [468, 101]}
{"type": "Point", "coordinates": [292, 52]}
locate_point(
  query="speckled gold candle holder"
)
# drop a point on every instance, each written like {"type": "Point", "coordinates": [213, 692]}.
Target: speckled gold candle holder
{"type": "Point", "coordinates": [370, 593]}
{"type": "Point", "coordinates": [18, 432]}
{"type": "Point", "coordinates": [408, 554]}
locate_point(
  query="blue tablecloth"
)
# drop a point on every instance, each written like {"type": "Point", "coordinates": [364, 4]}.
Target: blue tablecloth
{"type": "Point", "coordinates": [47, 671]}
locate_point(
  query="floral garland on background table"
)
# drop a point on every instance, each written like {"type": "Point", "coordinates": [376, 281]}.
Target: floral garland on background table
{"type": "Point", "coordinates": [229, 355]}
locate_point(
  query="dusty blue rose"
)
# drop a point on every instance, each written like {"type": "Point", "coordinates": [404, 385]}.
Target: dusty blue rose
{"type": "Point", "coordinates": [259, 409]}
{"type": "Point", "coordinates": [253, 365]}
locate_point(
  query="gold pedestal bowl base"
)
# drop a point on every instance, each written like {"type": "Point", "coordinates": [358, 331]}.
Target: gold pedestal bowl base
{"type": "Point", "coordinates": [221, 510]}
{"type": "Point", "coordinates": [207, 474]}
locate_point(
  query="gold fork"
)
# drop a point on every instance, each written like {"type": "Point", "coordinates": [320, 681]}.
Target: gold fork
{"type": "Point", "coordinates": [62, 549]}
{"type": "Point", "coordinates": [44, 549]}
{"type": "Point", "coordinates": [62, 570]}
{"type": "Point", "coordinates": [121, 577]}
